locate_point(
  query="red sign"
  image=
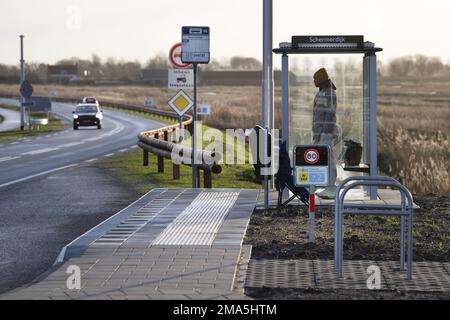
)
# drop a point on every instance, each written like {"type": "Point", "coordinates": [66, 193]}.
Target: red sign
{"type": "Point", "coordinates": [175, 57]}
{"type": "Point", "coordinates": [311, 156]}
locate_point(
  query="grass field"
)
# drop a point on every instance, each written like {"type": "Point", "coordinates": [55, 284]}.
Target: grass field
{"type": "Point", "coordinates": [55, 124]}
{"type": "Point", "coordinates": [413, 122]}
{"type": "Point", "coordinates": [128, 168]}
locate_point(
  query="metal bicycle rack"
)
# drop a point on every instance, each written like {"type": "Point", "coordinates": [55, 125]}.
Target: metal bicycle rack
{"type": "Point", "coordinates": [400, 210]}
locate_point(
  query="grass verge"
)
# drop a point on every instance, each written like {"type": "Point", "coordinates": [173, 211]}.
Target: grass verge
{"type": "Point", "coordinates": [55, 124]}
{"type": "Point", "coordinates": [128, 168]}
{"type": "Point", "coordinates": [155, 117]}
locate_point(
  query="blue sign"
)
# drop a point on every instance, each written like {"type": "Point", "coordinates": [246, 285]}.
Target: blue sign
{"type": "Point", "coordinates": [317, 177]}
{"type": "Point", "coordinates": [26, 89]}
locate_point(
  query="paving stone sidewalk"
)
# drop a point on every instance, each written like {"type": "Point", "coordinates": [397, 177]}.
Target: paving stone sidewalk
{"type": "Point", "coordinates": [319, 274]}
{"type": "Point", "coordinates": [166, 245]}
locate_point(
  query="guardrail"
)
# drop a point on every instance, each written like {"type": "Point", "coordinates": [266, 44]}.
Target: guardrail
{"type": "Point", "coordinates": [157, 141]}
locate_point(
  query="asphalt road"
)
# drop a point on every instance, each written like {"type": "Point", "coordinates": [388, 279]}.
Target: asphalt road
{"type": "Point", "coordinates": [34, 157]}
{"type": "Point", "coordinates": [11, 121]}
{"type": "Point", "coordinates": [51, 192]}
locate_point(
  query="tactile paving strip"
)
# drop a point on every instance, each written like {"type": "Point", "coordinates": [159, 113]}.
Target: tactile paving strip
{"type": "Point", "coordinates": [118, 235]}
{"type": "Point", "coordinates": [200, 221]}
{"type": "Point", "coordinates": [319, 274]}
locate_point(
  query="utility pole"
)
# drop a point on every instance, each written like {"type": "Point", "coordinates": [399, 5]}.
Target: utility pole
{"type": "Point", "coordinates": [22, 79]}
{"type": "Point", "coordinates": [267, 86]}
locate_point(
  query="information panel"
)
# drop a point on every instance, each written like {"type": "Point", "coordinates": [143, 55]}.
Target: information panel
{"type": "Point", "coordinates": [311, 165]}
{"type": "Point", "coordinates": [195, 45]}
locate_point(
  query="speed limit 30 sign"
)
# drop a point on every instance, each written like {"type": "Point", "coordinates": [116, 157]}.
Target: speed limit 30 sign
{"type": "Point", "coordinates": [311, 165]}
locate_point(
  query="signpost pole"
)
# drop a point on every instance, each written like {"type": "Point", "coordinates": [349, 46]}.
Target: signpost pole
{"type": "Point", "coordinates": [267, 85]}
{"type": "Point", "coordinates": [22, 78]}
{"type": "Point", "coordinates": [312, 209]}
{"type": "Point", "coordinates": [180, 135]}
{"type": "Point", "coordinates": [194, 138]}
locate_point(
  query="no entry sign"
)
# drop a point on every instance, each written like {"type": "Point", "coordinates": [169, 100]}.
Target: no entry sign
{"type": "Point", "coordinates": [312, 165]}
{"type": "Point", "coordinates": [175, 57]}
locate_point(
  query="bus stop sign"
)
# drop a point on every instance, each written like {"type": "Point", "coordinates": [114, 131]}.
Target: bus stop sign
{"type": "Point", "coordinates": [195, 45]}
{"type": "Point", "coordinates": [311, 165]}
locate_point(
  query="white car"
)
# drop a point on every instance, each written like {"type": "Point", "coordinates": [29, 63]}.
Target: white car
{"type": "Point", "coordinates": [90, 100]}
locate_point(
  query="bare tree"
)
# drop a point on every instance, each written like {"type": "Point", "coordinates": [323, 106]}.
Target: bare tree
{"type": "Point", "coordinates": [159, 61]}
{"type": "Point", "coordinates": [401, 66]}
{"type": "Point", "coordinates": [245, 63]}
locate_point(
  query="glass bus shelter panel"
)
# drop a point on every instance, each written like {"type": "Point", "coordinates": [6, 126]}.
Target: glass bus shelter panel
{"type": "Point", "coordinates": [346, 73]}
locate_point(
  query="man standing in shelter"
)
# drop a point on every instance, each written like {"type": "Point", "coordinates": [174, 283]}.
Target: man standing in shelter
{"type": "Point", "coordinates": [324, 123]}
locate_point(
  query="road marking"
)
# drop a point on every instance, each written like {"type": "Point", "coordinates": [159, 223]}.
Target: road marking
{"type": "Point", "coordinates": [37, 175]}
{"type": "Point", "coordinates": [12, 143]}
{"type": "Point", "coordinates": [123, 150]}
{"type": "Point", "coordinates": [92, 139]}
{"type": "Point", "coordinates": [8, 158]}
{"type": "Point", "coordinates": [109, 155]}
{"type": "Point", "coordinates": [72, 144]}
{"type": "Point", "coordinates": [45, 150]}
{"type": "Point", "coordinates": [91, 160]}
{"type": "Point", "coordinates": [134, 147]}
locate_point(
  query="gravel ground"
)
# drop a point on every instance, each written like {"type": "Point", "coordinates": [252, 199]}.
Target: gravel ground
{"type": "Point", "coordinates": [282, 234]}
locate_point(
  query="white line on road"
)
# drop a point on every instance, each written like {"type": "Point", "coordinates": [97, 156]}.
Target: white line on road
{"type": "Point", "coordinates": [37, 175]}
{"type": "Point", "coordinates": [39, 151]}
{"type": "Point", "coordinates": [8, 158]}
{"type": "Point", "coordinates": [72, 144]}
{"type": "Point", "coordinates": [109, 155]}
{"type": "Point", "coordinates": [123, 150]}
{"type": "Point", "coordinates": [91, 160]}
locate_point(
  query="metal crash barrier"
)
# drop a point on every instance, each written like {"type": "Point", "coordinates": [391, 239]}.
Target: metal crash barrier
{"type": "Point", "coordinates": [402, 210]}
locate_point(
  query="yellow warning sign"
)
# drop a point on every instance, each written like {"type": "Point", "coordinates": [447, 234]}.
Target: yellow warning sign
{"type": "Point", "coordinates": [180, 103]}
{"type": "Point", "coordinates": [303, 176]}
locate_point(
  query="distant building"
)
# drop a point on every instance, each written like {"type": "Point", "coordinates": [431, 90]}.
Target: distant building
{"type": "Point", "coordinates": [155, 77]}
{"type": "Point", "coordinates": [61, 74]}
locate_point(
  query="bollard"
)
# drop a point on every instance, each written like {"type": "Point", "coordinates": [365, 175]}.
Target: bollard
{"type": "Point", "coordinates": [312, 209]}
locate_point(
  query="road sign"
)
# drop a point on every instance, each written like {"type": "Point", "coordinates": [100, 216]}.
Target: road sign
{"type": "Point", "coordinates": [311, 156]}
{"type": "Point", "coordinates": [195, 45]}
{"type": "Point", "coordinates": [26, 89]}
{"type": "Point", "coordinates": [181, 79]}
{"type": "Point", "coordinates": [180, 103]}
{"type": "Point", "coordinates": [148, 102]}
{"type": "Point", "coordinates": [175, 57]}
{"type": "Point", "coordinates": [204, 110]}
{"type": "Point", "coordinates": [312, 165]}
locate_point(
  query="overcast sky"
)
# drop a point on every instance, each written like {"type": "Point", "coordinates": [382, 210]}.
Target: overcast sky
{"type": "Point", "coordinates": [139, 29]}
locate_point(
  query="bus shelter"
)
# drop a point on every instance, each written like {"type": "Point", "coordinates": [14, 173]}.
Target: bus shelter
{"type": "Point", "coordinates": [356, 99]}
